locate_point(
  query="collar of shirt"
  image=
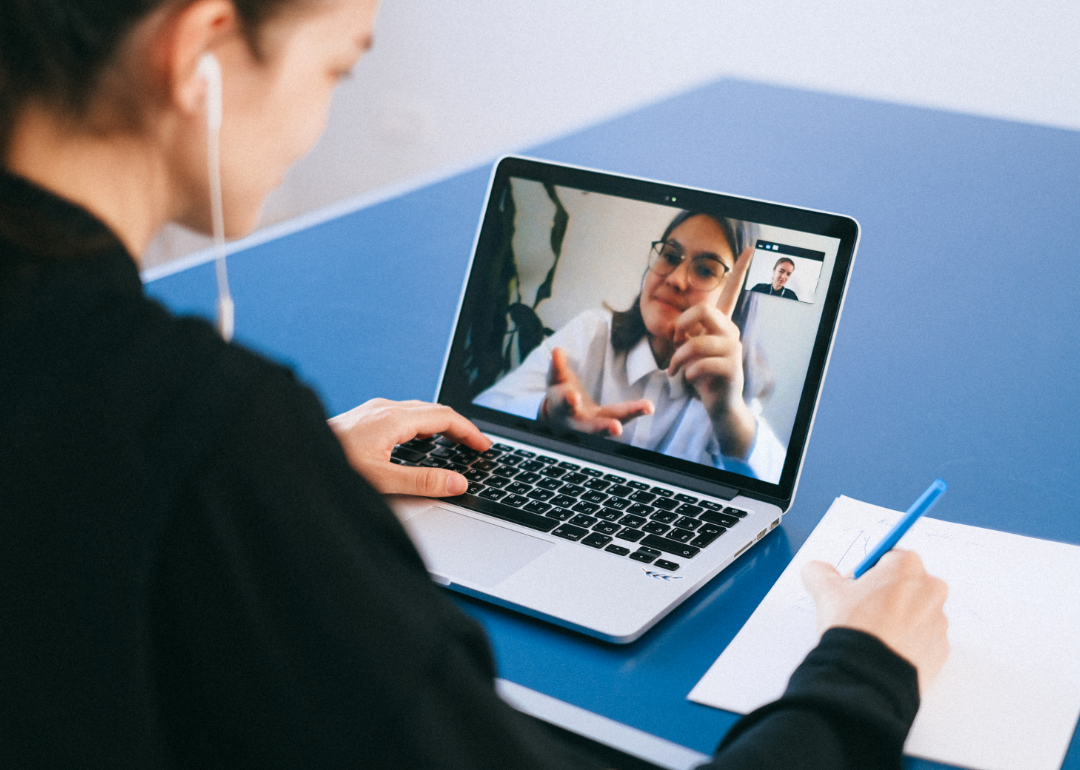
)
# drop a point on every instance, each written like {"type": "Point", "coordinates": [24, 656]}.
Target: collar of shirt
{"type": "Point", "coordinates": [641, 363]}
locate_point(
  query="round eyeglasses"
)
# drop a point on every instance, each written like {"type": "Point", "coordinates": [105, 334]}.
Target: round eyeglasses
{"type": "Point", "coordinates": [704, 273]}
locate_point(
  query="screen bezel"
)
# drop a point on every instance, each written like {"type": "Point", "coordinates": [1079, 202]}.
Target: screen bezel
{"type": "Point", "coordinates": [454, 392]}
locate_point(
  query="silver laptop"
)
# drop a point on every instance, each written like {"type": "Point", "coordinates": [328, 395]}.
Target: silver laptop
{"type": "Point", "coordinates": [647, 359]}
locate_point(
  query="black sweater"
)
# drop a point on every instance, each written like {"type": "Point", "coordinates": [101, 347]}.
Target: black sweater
{"type": "Point", "coordinates": [193, 575]}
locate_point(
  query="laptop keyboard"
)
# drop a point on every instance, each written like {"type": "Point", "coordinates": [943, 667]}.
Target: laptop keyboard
{"type": "Point", "coordinates": [625, 517]}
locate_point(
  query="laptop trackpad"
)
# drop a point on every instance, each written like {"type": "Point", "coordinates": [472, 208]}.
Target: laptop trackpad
{"type": "Point", "coordinates": [464, 549]}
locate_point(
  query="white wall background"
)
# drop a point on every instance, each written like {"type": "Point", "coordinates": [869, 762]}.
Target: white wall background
{"type": "Point", "coordinates": [450, 84]}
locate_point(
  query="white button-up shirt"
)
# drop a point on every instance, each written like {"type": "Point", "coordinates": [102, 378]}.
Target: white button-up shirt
{"type": "Point", "coordinates": [679, 426]}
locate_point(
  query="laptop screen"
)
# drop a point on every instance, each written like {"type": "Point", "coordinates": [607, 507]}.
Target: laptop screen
{"type": "Point", "coordinates": [672, 327]}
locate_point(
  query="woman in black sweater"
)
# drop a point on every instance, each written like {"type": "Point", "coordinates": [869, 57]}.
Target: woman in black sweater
{"type": "Point", "coordinates": [194, 571]}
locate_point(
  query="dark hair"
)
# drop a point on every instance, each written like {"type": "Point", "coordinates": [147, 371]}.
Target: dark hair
{"type": "Point", "coordinates": [628, 326]}
{"type": "Point", "coordinates": [784, 259]}
{"type": "Point", "coordinates": [55, 51]}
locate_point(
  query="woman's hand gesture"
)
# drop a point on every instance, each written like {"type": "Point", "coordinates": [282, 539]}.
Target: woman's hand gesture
{"type": "Point", "coordinates": [568, 403]}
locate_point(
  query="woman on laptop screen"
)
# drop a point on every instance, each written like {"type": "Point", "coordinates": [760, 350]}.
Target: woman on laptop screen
{"type": "Point", "coordinates": [667, 374]}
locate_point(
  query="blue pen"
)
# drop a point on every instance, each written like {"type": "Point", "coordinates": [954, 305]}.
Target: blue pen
{"type": "Point", "coordinates": [917, 509]}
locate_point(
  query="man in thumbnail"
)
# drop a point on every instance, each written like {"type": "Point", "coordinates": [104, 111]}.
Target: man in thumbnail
{"type": "Point", "coordinates": [781, 271]}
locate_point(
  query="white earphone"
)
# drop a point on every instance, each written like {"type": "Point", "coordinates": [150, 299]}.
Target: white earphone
{"type": "Point", "coordinates": [210, 71]}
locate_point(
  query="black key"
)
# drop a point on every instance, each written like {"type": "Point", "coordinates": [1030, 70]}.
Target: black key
{"type": "Point", "coordinates": [680, 535]}
{"type": "Point", "coordinates": [642, 497]}
{"type": "Point", "coordinates": [458, 467]}
{"type": "Point", "coordinates": [502, 447]}
{"type": "Point", "coordinates": [689, 510]}
{"type": "Point", "coordinates": [474, 488]}
{"type": "Point", "coordinates": [435, 462]}
{"type": "Point", "coordinates": [553, 471]}
{"type": "Point", "coordinates": [632, 521]}
{"type": "Point", "coordinates": [711, 529]}
{"type": "Point", "coordinates": [443, 451]}
{"type": "Point", "coordinates": [608, 514]}
{"type": "Point", "coordinates": [606, 527]}
{"type": "Point", "coordinates": [688, 523]}
{"type": "Point", "coordinates": [524, 453]}
{"type": "Point", "coordinates": [596, 540]}
{"type": "Point", "coordinates": [545, 459]}
{"type": "Point", "coordinates": [395, 461]}
{"type": "Point", "coordinates": [474, 475]}
{"type": "Point", "coordinates": [483, 465]}
{"type": "Point", "coordinates": [539, 494]}
{"type": "Point", "coordinates": [616, 479]}
{"type": "Point", "coordinates": [517, 501]}
{"type": "Point", "coordinates": [711, 506]}
{"type": "Point", "coordinates": [551, 484]}
{"type": "Point", "coordinates": [618, 503]}
{"type": "Point", "coordinates": [641, 556]}
{"type": "Point", "coordinates": [572, 489]}
{"type": "Point", "coordinates": [528, 477]}
{"type": "Point", "coordinates": [505, 471]}
{"type": "Point", "coordinates": [706, 538]}
{"type": "Point", "coordinates": [666, 504]}
{"type": "Point", "coordinates": [513, 460]}
{"type": "Point", "coordinates": [492, 494]}
{"type": "Point", "coordinates": [630, 534]}
{"type": "Point", "coordinates": [664, 564]}
{"type": "Point", "coordinates": [532, 465]}
{"type": "Point", "coordinates": [719, 518]}
{"type": "Point", "coordinates": [569, 532]}
{"type": "Point", "coordinates": [569, 466]}
{"type": "Point", "coordinates": [637, 485]}
{"type": "Point", "coordinates": [408, 455]}
{"type": "Point", "coordinates": [575, 478]}
{"type": "Point", "coordinates": [564, 500]}
{"type": "Point", "coordinates": [467, 452]}
{"type": "Point", "coordinates": [583, 507]}
{"type": "Point", "coordinates": [618, 550]}
{"type": "Point", "coordinates": [670, 546]}
{"type": "Point", "coordinates": [592, 472]}
{"type": "Point", "coordinates": [620, 490]}
{"type": "Point", "coordinates": [559, 513]}
{"type": "Point", "coordinates": [505, 512]}
{"type": "Point", "coordinates": [592, 496]}
{"type": "Point", "coordinates": [518, 488]}
{"type": "Point", "coordinates": [656, 528]}
{"type": "Point", "coordinates": [582, 520]}
{"type": "Point", "coordinates": [492, 454]}
{"type": "Point", "coordinates": [420, 444]}
{"type": "Point", "coordinates": [686, 499]}
{"type": "Point", "coordinates": [664, 517]}
{"type": "Point", "coordinates": [662, 492]}
{"type": "Point", "coordinates": [640, 509]}
{"type": "Point", "coordinates": [536, 507]}
{"type": "Point", "coordinates": [597, 484]}
{"type": "Point", "coordinates": [649, 551]}
{"type": "Point", "coordinates": [735, 512]}
{"type": "Point", "coordinates": [496, 481]}
{"type": "Point", "coordinates": [444, 441]}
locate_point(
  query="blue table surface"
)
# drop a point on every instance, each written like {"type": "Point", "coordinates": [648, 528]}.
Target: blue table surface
{"type": "Point", "coordinates": [956, 357]}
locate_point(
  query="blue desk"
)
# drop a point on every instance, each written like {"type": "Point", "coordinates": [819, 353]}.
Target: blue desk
{"type": "Point", "coordinates": [957, 355]}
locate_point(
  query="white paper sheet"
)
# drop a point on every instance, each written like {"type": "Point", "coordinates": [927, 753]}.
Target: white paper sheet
{"type": "Point", "coordinates": [1008, 697]}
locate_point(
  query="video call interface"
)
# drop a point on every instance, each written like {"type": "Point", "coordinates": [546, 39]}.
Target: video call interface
{"type": "Point", "coordinates": [589, 299]}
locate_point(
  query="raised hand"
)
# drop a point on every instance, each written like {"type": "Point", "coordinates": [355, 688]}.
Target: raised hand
{"type": "Point", "coordinates": [709, 353]}
{"type": "Point", "coordinates": [568, 403]}
{"type": "Point", "coordinates": [369, 433]}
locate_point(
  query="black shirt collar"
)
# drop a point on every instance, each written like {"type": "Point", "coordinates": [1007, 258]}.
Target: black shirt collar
{"type": "Point", "coordinates": [42, 233]}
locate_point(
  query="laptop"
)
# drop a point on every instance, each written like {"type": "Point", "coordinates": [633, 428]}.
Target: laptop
{"type": "Point", "coordinates": [647, 359]}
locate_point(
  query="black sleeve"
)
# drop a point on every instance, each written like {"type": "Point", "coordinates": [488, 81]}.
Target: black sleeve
{"type": "Point", "coordinates": [294, 625]}
{"type": "Point", "coordinates": [849, 705]}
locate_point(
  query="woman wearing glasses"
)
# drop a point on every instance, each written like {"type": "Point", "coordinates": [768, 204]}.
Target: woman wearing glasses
{"type": "Point", "coordinates": [667, 374]}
